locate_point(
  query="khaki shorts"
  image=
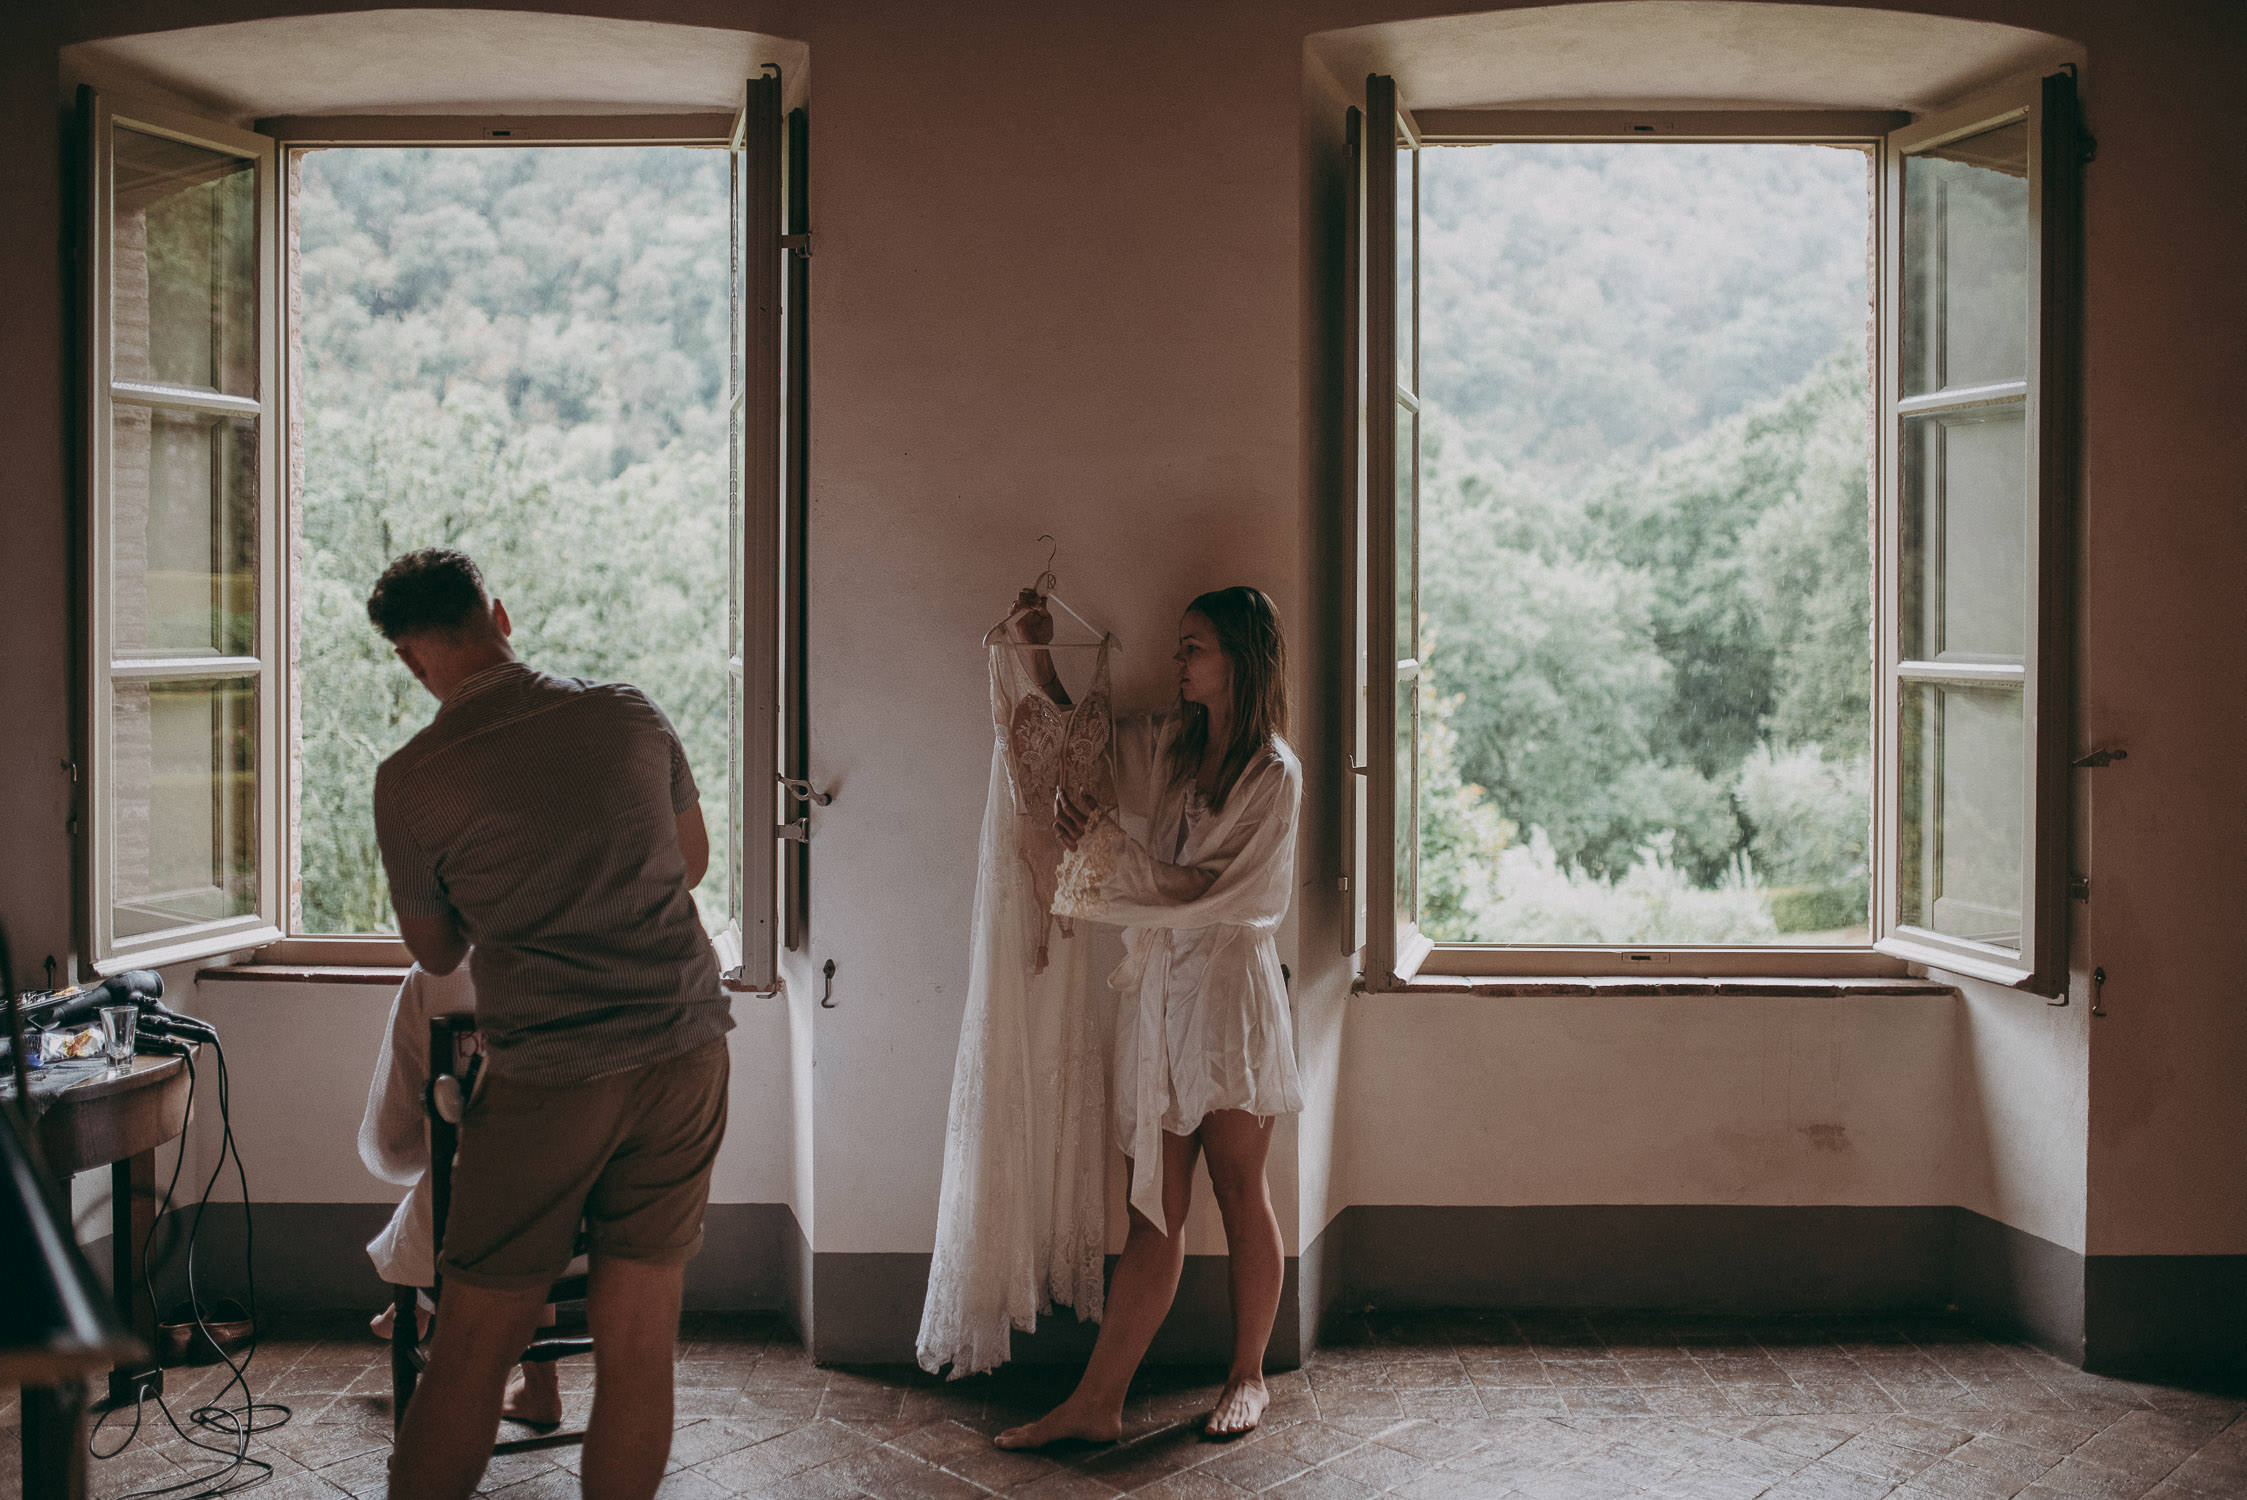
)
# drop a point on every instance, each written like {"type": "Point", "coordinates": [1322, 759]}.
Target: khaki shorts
{"type": "Point", "coordinates": [628, 1156]}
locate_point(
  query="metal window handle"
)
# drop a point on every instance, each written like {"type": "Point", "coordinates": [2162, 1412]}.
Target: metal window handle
{"type": "Point", "coordinates": [804, 791]}
{"type": "Point", "coordinates": [827, 985]}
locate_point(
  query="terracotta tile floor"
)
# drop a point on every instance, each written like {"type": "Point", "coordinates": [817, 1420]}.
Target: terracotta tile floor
{"type": "Point", "coordinates": [1545, 1406]}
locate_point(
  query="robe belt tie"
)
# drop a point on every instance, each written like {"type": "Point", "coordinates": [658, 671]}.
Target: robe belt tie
{"type": "Point", "coordinates": [1152, 1087]}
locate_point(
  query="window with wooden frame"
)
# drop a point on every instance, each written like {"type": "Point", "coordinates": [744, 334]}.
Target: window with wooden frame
{"type": "Point", "coordinates": [181, 833]}
{"type": "Point", "coordinates": [1974, 229]}
{"type": "Point", "coordinates": [191, 836]}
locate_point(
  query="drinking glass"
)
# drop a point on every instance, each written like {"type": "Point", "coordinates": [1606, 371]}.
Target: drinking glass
{"type": "Point", "coordinates": [118, 1023]}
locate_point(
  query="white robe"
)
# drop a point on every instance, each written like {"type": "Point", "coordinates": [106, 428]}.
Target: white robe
{"type": "Point", "coordinates": [393, 1135]}
{"type": "Point", "coordinates": [1204, 1022]}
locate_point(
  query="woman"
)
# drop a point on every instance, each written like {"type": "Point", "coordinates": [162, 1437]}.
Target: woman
{"type": "Point", "coordinates": [1197, 870]}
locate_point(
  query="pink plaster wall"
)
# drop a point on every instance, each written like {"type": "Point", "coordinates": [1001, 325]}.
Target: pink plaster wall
{"type": "Point", "coordinates": [1064, 282]}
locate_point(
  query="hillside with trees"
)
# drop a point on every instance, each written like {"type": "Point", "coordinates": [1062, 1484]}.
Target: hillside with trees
{"type": "Point", "coordinates": [1645, 543]}
{"type": "Point", "coordinates": [519, 353]}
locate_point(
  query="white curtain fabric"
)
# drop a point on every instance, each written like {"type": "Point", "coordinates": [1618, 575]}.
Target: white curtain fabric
{"type": "Point", "coordinates": [1204, 1022]}
{"type": "Point", "coordinates": [1021, 1217]}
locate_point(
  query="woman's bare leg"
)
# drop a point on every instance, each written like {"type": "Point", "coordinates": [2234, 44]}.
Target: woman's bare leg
{"type": "Point", "coordinates": [1139, 1299]}
{"type": "Point", "coordinates": [1236, 1143]}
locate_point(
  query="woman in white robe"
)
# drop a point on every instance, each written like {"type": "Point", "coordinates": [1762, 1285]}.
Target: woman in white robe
{"type": "Point", "coordinates": [394, 1146]}
{"type": "Point", "coordinates": [1197, 866]}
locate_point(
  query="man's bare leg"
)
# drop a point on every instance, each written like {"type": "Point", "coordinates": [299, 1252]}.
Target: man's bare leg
{"type": "Point", "coordinates": [1255, 1260]}
{"type": "Point", "coordinates": [1139, 1299]}
{"type": "Point", "coordinates": [454, 1416]}
{"type": "Point", "coordinates": [633, 1309]}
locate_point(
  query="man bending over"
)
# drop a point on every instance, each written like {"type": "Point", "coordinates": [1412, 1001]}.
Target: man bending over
{"type": "Point", "coordinates": [553, 824]}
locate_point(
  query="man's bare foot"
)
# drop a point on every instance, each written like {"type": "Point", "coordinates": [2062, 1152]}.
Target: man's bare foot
{"type": "Point", "coordinates": [1062, 1423]}
{"type": "Point", "coordinates": [1240, 1406]}
{"type": "Point", "coordinates": [534, 1396]}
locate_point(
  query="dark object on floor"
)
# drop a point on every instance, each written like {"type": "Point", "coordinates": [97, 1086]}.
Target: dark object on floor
{"type": "Point", "coordinates": [226, 1327]}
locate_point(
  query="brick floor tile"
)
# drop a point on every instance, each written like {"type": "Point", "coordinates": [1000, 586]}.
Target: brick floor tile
{"type": "Point", "coordinates": [998, 1468]}
{"type": "Point", "coordinates": [1190, 1484]}
{"type": "Point", "coordinates": [686, 1485]}
{"type": "Point", "coordinates": [1805, 1437]}
{"type": "Point", "coordinates": [1880, 1458]}
{"type": "Point", "coordinates": [2147, 1464]}
{"type": "Point", "coordinates": [1321, 1484]}
{"type": "Point", "coordinates": [1257, 1468]}
{"type": "Point", "coordinates": [1067, 1484]}
{"type": "Point", "coordinates": [1377, 1465]}
{"type": "Point", "coordinates": [2078, 1480]}
{"type": "Point", "coordinates": [1442, 1405]}
{"type": "Point", "coordinates": [1951, 1480]}
{"type": "Point", "coordinates": [1822, 1481]}
{"type": "Point", "coordinates": [1607, 1400]}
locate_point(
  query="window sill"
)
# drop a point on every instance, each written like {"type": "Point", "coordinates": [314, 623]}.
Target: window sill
{"type": "Point", "coordinates": [1595, 986]}
{"type": "Point", "coordinates": [302, 974]}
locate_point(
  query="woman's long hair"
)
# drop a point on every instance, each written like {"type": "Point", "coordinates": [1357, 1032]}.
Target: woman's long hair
{"type": "Point", "coordinates": [1248, 632]}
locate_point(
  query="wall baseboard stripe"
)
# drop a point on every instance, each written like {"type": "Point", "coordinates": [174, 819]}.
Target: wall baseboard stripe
{"type": "Point", "coordinates": [2114, 1314]}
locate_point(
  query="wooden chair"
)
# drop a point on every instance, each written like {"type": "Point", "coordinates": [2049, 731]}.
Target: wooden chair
{"type": "Point", "coordinates": [454, 1061]}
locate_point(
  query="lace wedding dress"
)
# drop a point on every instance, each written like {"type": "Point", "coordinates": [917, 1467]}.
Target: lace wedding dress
{"type": "Point", "coordinates": [1021, 1218]}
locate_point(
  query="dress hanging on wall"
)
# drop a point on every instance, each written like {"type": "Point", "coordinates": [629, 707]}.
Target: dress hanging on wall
{"type": "Point", "coordinates": [1021, 1221]}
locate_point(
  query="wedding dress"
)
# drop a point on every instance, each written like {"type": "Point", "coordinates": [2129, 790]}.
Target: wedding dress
{"type": "Point", "coordinates": [1021, 1217]}
{"type": "Point", "coordinates": [1200, 893]}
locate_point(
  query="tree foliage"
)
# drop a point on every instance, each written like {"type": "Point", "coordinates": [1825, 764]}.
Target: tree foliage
{"type": "Point", "coordinates": [1645, 543]}
{"type": "Point", "coordinates": [519, 354]}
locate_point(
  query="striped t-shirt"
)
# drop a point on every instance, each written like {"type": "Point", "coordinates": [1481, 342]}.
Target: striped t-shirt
{"type": "Point", "coordinates": [540, 811]}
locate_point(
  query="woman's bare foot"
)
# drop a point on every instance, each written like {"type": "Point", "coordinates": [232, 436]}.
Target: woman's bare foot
{"type": "Point", "coordinates": [1240, 1406]}
{"type": "Point", "coordinates": [382, 1323]}
{"type": "Point", "coordinates": [1062, 1423]}
{"type": "Point", "coordinates": [534, 1396]}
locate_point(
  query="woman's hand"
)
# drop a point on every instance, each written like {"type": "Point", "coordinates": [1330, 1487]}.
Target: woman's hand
{"type": "Point", "coordinates": [1072, 819]}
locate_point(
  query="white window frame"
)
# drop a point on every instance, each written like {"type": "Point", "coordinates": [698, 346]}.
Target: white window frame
{"type": "Point", "coordinates": [773, 703]}
{"type": "Point", "coordinates": [2047, 395]}
{"type": "Point", "coordinates": [104, 950]}
{"type": "Point", "coordinates": [1392, 953]}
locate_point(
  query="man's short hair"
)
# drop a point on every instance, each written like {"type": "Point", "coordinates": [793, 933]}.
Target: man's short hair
{"type": "Point", "coordinates": [434, 589]}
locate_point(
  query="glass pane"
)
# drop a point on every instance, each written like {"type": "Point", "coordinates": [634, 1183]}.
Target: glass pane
{"type": "Point", "coordinates": [183, 533]}
{"type": "Point", "coordinates": [1962, 796]}
{"type": "Point", "coordinates": [1966, 262]}
{"type": "Point", "coordinates": [1407, 524]}
{"type": "Point", "coordinates": [184, 265]}
{"type": "Point", "coordinates": [183, 803]}
{"type": "Point", "coordinates": [1408, 801]}
{"type": "Point", "coordinates": [1965, 537]}
{"type": "Point", "coordinates": [1408, 269]}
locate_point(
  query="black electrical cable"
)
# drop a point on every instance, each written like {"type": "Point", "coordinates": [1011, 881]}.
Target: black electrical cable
{"type": "Point", "coordinates": [234, 1423]}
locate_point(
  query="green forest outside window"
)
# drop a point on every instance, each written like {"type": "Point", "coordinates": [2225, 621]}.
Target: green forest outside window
{"type": "Point", "coordinates": [1975, 373]}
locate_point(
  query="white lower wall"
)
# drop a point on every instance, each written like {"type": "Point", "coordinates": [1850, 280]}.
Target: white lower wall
{"type": "Point", "coordinates": [302, 1055]}
{"type": "Point", "coordinates": [1463, 1099]}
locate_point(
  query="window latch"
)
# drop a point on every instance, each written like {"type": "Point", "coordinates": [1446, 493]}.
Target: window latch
{"type": "Point", "coordinates": [800, 243]}
{"type": "Point", "coordinates": [2098, 758]}
{"type": "Point", "coordinates": [804, 791]}
{"type": "Point", "coordinates": [798, 832]}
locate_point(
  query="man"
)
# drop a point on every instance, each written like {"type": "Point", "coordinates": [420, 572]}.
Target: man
{"type": "Point", "coordinates": [553, 824]}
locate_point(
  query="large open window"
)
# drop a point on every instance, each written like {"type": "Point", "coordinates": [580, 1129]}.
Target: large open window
{"type": "Point", "coordinates": [570, 348]}
{"type": "Point", "coordinates": [1709, 597]}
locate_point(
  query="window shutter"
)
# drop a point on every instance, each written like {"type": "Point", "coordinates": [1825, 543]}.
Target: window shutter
{"type": "Point", "coordinates": [182, 832]}
{"type": "Point", "coordinates": [1982, 221]}
{"type": "Point", "coordinates": [1390, 482]}
{"type": "Point", "coordinates": [761, 458]}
